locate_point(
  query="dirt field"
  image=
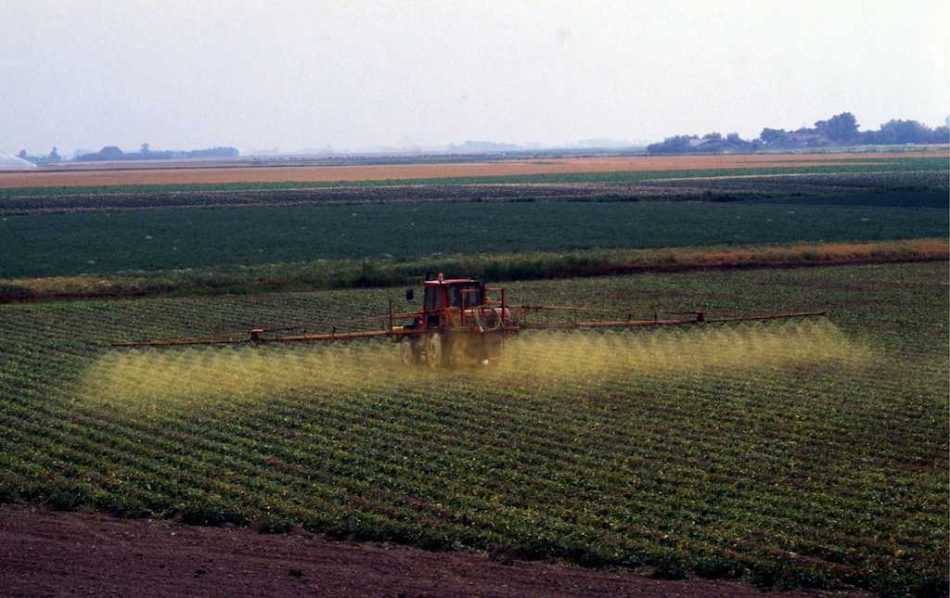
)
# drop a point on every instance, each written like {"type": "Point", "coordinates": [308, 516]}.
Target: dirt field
{"type": "Point", "coordinates": [115, 174]}
{"type": "Point", "coordinates": [47, 553]}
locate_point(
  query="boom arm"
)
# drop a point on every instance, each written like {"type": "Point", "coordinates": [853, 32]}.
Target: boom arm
{"type": "Point", "coordinates": [258, 336]}
{"type": "Point", "coordinates": [699, 318]}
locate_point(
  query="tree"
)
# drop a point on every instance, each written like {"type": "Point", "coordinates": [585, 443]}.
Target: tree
{"type": "Point", "coordinates": [905, 131]}
{"type": "Point", "coordinates": [840, 127]}
{"type": "Point", "coordinates": [23, 155]}
{"type": "Point", "coordinates": [53, 155]}
{"type": "Point", "coordinates": [111, 152]}
{"type": "Point", "coordinates": [146, 149]}
{"type": "Point", "coordinates": [671, 145]}
{"type": "Point", "coordinates": [772, 135]}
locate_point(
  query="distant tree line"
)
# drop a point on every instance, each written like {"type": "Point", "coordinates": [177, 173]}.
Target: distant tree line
{"type": "Point", "coordinates": [113, 153]}
{"type": "Point", "coordinates": [839, 130]}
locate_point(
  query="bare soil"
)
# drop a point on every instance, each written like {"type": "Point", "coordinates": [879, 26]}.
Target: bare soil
{"type": "Point", "coordinates": [45, 553]}
{"type": "Point", "coordinates": [109, 174]}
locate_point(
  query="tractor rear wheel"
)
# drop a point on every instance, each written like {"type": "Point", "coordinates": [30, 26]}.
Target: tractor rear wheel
{"type": "Point", "coordinates": [434, 350]}
{"type": "Point", "coordinates": [409, 351]}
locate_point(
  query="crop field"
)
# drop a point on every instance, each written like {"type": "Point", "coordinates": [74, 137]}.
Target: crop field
{"type": "Point", "coordinates": [923, 185]}
{"type": "Point", "coordinates": [198, 175]}
{"type": "Point", "coordinates": [805, 453]}
{"type": "Point", "coordinates": [809, 453]}
{"type": "Point", "coordinates": [135, 240]}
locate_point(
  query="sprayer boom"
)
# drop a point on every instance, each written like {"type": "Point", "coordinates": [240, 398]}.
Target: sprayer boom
{"type": "Point", "coordinates": [257, 336]}
{"type": "Point", "coordinates": [699, 318]}
{"type": "Point", "coordinates": [463, 320]}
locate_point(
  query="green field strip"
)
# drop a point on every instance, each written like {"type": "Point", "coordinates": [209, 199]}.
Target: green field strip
{"type": "Point", "coordinates": [622, 177]}
{"type": "Point", "coordinates": [381, 238]}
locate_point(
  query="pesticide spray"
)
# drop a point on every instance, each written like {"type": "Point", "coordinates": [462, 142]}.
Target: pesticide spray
{"type": "Point", "coordinates": [158, 379]}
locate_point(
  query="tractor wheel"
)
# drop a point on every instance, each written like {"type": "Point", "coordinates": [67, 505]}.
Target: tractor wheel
{"type": "Point", "coordinates": [434, 353]}
{"type": "Point", "coordinates": [408, 351]}
{"type": "Point", "coordinates": [487, 319]}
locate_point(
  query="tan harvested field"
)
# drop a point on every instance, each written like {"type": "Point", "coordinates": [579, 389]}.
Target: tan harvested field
{"type": "Point", "coordinates": [180, 174]}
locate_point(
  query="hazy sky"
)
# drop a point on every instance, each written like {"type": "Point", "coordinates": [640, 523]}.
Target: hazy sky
{"type": "Point", "coordinates": [351, 74]}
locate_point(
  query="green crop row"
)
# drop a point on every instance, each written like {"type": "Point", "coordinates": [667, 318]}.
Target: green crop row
{"type": "Point", "coordinates": [809, 453]}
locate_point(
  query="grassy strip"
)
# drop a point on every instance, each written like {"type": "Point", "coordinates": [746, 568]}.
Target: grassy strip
{"type": "Point", "coordinates": [620, 177]}
{"type": "Point", "coordinates": [331, 274]}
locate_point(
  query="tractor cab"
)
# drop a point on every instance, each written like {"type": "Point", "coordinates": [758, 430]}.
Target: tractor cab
{"type": "Point", "coordinates": [455, 294]}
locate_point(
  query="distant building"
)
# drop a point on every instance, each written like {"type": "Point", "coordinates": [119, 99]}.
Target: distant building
{"type": "Point", "coordinates": [804, 139]}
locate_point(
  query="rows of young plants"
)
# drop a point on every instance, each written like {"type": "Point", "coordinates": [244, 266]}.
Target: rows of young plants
{"type": "Point", "coordinates": [806, 453]}
{"type": "Point", "coordinates": [148, 240]}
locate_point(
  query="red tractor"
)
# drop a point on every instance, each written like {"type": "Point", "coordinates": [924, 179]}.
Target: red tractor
{"type": "Point", "coordinates": [462, 320]}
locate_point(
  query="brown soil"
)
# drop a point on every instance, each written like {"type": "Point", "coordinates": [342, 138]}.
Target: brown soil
{"type": "Point", "coordinates": [46, 553]}
{"type": "Point", "coordinates": [177, 174]}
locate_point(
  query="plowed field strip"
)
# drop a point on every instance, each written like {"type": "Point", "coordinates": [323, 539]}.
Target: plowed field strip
{"type": "Point", "coordinates": [325, 174]}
